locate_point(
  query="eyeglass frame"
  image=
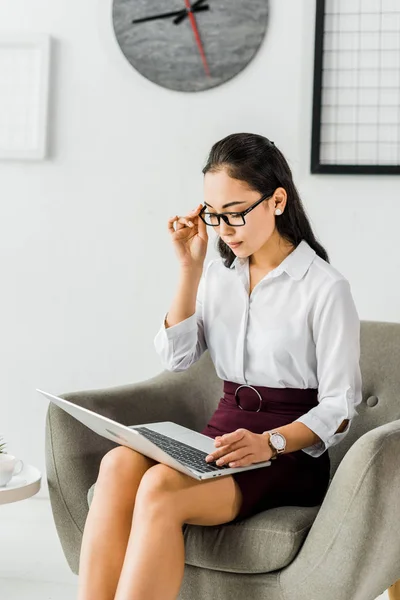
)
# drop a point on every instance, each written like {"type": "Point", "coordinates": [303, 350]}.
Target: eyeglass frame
{"type": "Point", "coordinates": [224, 216]}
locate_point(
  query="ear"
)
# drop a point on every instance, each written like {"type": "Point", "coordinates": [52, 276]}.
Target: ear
{"type": "Point", "coordinates": [279, 199]}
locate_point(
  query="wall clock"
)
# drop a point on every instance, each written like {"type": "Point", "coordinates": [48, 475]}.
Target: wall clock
{"type": "Point", "coordinates": [189, 45]}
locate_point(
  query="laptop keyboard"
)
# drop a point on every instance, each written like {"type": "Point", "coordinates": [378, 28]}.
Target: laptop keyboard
{"type": "Point", "coordinates": [187, 455]}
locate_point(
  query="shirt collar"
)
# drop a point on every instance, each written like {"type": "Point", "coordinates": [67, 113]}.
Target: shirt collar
{"type": "Point", "coordinates": [296, 264]}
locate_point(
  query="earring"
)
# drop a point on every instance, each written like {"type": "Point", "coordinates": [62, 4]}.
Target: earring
{"type": "Point", "coordinates": [278, 211]}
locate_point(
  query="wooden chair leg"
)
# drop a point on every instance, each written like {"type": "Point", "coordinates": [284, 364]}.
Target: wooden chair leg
{"type": "Point", "coordinates": [394, 591]}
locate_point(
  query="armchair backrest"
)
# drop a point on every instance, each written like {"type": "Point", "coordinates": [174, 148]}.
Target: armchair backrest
{"type": "Point", "coordinates": [380, 370]}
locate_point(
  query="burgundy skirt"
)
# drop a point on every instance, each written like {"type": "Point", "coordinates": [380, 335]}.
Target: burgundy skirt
{"type": "Point", "coordinates": [293, 479]}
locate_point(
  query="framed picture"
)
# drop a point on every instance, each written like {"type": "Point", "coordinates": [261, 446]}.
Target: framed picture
{"type": "Point", "coordinates": [356, 115]}
{"type": "Point", "coordinates": [24, 90]}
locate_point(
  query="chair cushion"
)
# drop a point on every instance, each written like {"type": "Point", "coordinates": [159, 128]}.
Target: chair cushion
{"type": "Point", "coordinates": [262, 543]}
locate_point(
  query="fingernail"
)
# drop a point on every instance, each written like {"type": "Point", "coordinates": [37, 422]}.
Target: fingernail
{"type": "Point", "coordinates": [217, 443]}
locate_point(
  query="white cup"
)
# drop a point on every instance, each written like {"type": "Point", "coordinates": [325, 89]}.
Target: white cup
{"type": "Point", "coordinates": [8, 467]}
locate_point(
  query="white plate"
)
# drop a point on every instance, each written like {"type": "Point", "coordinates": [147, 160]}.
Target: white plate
{"type": "Point", "coordinates": [21, 486]}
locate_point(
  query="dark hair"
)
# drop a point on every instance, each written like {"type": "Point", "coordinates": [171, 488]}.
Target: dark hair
{"type": "Point", "coordinates": [257, 161]}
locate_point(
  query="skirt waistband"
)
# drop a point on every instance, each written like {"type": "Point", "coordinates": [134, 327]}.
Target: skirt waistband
{"type": "Point", "coordinates": [262, 398]}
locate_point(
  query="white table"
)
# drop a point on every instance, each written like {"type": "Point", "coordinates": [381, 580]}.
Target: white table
{"type": "Point", "coordinates": [21, 486]}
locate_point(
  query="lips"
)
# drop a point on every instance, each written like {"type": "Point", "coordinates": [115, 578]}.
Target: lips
{"type": "Point", "coordinates": [233, 245]}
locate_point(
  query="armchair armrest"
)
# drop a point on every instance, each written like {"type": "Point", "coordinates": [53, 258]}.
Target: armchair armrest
{"type": "Point", "coordinates": [74, 452]}
{"type": "Point", "coordinates": [353, 547]}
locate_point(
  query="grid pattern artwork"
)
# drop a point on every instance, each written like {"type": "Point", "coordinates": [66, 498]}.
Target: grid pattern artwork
{"type": "Point", "coordinates": [356, 108]}
{"type": "Point", "coordinates": [23, 96]}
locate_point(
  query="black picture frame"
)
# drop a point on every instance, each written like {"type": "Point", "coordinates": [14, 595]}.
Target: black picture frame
{"type": "Point", "coordinates": [316, 166]}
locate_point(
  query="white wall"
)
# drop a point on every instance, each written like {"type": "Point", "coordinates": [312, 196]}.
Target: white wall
{"type": "Point", "coordinates": [87, 266]}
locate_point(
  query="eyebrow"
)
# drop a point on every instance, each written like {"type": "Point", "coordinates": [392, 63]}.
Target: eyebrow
{"type": "Point", "coordinates": [227, 205]}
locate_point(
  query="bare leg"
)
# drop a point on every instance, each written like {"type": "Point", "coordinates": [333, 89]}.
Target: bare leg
{"type": "Point", "coordinates": [155, 557]}
{"type": "Point", "coordinates": [157, 551]}
{"type": "Point", "coordinates": [109, 523]}
{"type": "Point", "coordinates": [394, 591]}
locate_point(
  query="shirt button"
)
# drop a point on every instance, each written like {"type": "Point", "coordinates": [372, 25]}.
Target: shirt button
{"type": "Point", "coordinates": [350, 395]}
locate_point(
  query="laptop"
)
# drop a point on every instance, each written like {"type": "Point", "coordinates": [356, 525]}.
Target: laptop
{"type": "Point", "coordinates": [166, 442]}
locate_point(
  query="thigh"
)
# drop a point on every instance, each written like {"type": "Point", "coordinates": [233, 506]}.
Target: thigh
{"type": "Point", "coordinates": [209, 502]}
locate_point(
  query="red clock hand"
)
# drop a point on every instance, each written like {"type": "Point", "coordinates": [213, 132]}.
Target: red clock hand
{"type": "Point", "coordinates": [197, 36]}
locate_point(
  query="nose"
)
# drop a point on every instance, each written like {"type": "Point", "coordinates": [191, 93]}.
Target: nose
{"type": "Point", "coordinates": [224, 228]}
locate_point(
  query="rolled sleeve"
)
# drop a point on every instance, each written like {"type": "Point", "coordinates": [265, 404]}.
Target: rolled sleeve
{"type": "Point", "coordinates": [336, 332]}
{"type": "Point", "coordinates": [181, 345]}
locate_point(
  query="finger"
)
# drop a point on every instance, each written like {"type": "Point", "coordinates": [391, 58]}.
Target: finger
{"type": "Point", "coordinates": [235, 436]}
{"type": "Point", "coordinates": [235, 457]}
{"type": "Point", "coordinates": [180, 221]}
{"type": "Point", "coordinates": [171, 222]}
{"type": "Point", "coordinates": [196, 211]}
{"type": "Point", "coordinates": [243, 462]}
{"type": "Point", "coordinates": [223, 451]}
{"type": "Point", "coordinates": [186, 221]}
{"type": "Point", "coordinates": [193, 212]}
{"type": "Point", "coordinates": [202, 226]}
{"type": "Point", "coordinates": [193, 216]}
{"type": "Point", "coordinates": [227, 447]}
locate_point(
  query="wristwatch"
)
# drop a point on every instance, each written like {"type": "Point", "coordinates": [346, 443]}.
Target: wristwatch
{"type": "Point", "coordinates": [277, 442]}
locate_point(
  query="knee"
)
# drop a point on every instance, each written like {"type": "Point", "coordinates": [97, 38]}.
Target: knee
{"type": "Point", "coordinates": [158, 485]}
{"type": "Point", "coordinates": [120, 462]}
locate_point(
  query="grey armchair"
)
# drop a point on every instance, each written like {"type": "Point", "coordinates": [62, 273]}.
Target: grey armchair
{"type": "Point", "coordinates": [346, 549]}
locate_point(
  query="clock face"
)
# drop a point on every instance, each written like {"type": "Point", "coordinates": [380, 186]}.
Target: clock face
{"type": "Point", "coordinates": [193, 49]}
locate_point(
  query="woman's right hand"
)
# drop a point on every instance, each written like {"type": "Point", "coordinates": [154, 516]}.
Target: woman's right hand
{"type": "Point", "coordinates": [190, 241]}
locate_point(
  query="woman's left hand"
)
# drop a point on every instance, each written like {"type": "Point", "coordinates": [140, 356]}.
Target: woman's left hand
{"type": "Point", "coordinates": [240, 449]}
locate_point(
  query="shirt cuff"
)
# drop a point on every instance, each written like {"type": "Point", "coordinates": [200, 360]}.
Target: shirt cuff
{"type": "Point", "coordinates": [187, 326]}
{"type": "Point", "coordinates": [318, 427]}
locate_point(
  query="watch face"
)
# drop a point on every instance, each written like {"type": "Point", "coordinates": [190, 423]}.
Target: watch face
{"type": "Point", "coordinates": [189, 51]}
{"type": "Point", "coordinates": [277, 441]}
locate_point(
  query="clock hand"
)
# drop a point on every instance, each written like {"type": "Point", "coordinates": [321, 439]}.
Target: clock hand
{"type": "Point", "coordinates": [197, 36]}
{"type": "Point", "coordinates": [179, 13]}
{"type": "Point", "coordinates": [184, 13]}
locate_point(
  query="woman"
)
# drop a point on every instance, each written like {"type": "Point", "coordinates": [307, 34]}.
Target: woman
{"type": "Point", "coordinates": [283, 332]}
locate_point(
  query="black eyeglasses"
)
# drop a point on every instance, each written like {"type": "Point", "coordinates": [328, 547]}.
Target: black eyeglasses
{"type": "Point", "coordinates": [234, 219]}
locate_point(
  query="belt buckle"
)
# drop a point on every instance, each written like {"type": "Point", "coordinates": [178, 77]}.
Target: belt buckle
{"type": "Point", "coordinates": [238, 402]}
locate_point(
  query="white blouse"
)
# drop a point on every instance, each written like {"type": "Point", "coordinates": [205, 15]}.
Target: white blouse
{"type": "Point", "coordinates": [299, 328]}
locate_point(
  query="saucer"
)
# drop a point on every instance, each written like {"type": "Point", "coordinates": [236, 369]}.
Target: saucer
{"type": "Point", "coordinates": [15, 482]}
{"type": "Point", "coordinates": [21, 486]}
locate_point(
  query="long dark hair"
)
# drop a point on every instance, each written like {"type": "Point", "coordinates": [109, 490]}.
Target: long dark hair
{"type": "Point", "coordinates": [257, 161]}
